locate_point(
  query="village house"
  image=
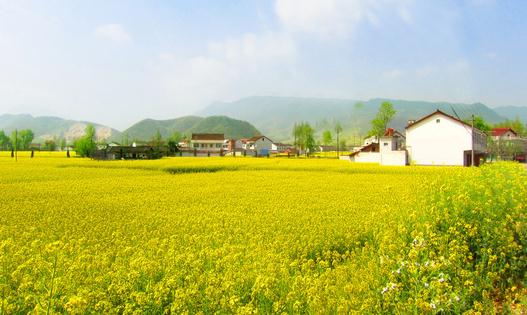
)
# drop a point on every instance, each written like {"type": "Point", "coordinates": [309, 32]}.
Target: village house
{"type": "Point", "coordinates": [232, 145]}
{"type": "Point", "coordinates": [278, 147]}
{"type": "Point", "coordinates": [133, 152]}
{"type": "Point", "coordinates": [262, 144]}
{"type": "Point", "coordinates": [207, 141]}
{"type": "Point", "coordinates": [327, 148]}
{"type": "Point", "coordinates": [503, 134]}
{"type": "Point", "coordinates": [388, 150]}
{"type": "Point", "coordinates": [507, 145]}
{"type": "Point", "coordinates": [441, 139]}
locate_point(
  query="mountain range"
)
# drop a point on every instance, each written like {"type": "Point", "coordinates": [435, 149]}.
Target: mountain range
{"type": "Point", "coordinates": [48, 127]}
{"type": "Point", "coordinates": [275, 116]}
{"type": "Point", "coordinates": [271, 116]}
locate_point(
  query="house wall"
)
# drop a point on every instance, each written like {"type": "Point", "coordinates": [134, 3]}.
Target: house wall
{"type": "Point", "coordinates": [506, 136]}
{"type": "Point", "coordinates": [367, 157]}
{"type": "Point", "coordinates": [262, 144]}
{"type": "Point", "coordinates": [210, 145]}
{"type": "Point", "coordinates": [440, 143]}
{"type": "Point", "coordinates": [397, 158]}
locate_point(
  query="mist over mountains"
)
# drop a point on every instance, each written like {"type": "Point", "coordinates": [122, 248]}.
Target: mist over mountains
{"type": "Point", "coordinates": [275, 116]}
{"type": "Point", "coordinates": [272, 116]}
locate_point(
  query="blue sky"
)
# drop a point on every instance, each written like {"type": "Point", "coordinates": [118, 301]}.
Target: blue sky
{"type": "Point", "coordinates": [116, 62]}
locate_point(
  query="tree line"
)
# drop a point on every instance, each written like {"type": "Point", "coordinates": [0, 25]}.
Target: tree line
{"type": "Point", "coordinates": [22, 140]}
{"type": "Point", "coordinates": [304, 134]}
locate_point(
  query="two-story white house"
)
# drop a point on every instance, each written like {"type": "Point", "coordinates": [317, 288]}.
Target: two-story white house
{"type": "Point", "coordinates": [387, 150]}
{"type": "Point", "coordinates": [441, 139]}
{"type": "Point", "coordinates": [258, 143]}
{"type": "Point", "coordinates": [207, 141]}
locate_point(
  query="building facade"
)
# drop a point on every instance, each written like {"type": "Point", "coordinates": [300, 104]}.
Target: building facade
{"type": "Point", "coordinates": [441, 139]}
{"type": "Point", "coordinates": [207, 141]}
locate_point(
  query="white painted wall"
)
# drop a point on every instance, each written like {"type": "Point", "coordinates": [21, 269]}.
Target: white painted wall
{"type": "Point", "coordinates": [367, 157]}
{"type": "Point", "coordinates": [263, 143]}
{"type": "Point", "coordinates": [440, 143]}
{"type": "Point", "coordinates": [397, 158]}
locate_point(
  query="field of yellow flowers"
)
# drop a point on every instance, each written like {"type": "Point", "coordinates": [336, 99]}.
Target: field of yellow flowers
{"type": "Point", "coordinates": [247, 235]}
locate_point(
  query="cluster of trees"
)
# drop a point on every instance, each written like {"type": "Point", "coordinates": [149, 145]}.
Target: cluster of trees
{"type": "Point", "coordinates": [19, 140]}
{"type": "Point", "coordinates": [304, 138]}
{"type": "Point", "coordinates": [504, 149]}
{"type": "Point", "coordinates": [86, 145]}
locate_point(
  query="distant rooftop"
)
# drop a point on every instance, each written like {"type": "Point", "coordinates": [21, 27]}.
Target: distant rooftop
{"type": "Point", "coordinates": [208, 136]}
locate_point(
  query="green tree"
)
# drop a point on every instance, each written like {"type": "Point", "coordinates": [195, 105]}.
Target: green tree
{"type": "Point", "coordinates": [173, 142]}
{"type": "Point", "coordinates": [85, 145]}
{"type": "Point", "coordinates": [157, 140]}
{"type": "Point", "coordinates": [26, 137]}
{"type": "Point", "coordinates": [21, 139]}
{"type": "Point", "coordinates": [382, 119]}
{"type": "Point", "coordinates": [327, 138]}
{"type": "Point", "coordinates": [304, 136]}
{"type": "Point", "coordinates": [50, 145]}
{"type": "Point", "coordinates": [338, 130]}
{"type": "Point", "coordinates": [5, 142]}
{"type": "Point", "coordinates": [480, 124]}
{"type": "Point", "coordinates": [62, 143]}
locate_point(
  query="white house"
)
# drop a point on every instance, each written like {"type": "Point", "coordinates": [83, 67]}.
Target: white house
{"type": "Point", "coordinates": [370, 140]}
{"type": "Point", "coordinates": [440, 139]}
{"type": "Point", "coordinates": [388, 150]}
{"type": "Point", "coordinates": [232, 145]}
{"type": "Point", "coordinates": [504, 134]}
{"type": "Point", "coordinates": [391, 148]}
{"type": "Point", "coordinates": [207, 141]}
{"type": "Point", "coordinates": [258, 143]}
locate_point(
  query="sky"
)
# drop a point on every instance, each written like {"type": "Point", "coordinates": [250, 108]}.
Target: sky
{"type": "Point", "coordinates": [117, 62]}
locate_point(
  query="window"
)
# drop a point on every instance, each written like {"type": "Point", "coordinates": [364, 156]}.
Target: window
{"type": "Point", "coordinates": [438, 121]}
{"type": "Point", "coordinates": [196, 145]}
{"type": "Point", "coordinates": [385, 144]}
{"type": "Point", "coordinates": [218, 145]}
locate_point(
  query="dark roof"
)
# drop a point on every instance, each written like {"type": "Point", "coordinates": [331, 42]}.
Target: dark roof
{"type": "Point", "coordinates": [498, 132]}
{"type": "Point", "coordinates": [443, 114]}
{"type": "Point", "coordinates": [208, 136]}
{"type": "Point", "coordinates": [256, 138]}
{"type": "Point", "coordinates": [130, 149]}
{"type": "Point", "coordinates": [372, 147]}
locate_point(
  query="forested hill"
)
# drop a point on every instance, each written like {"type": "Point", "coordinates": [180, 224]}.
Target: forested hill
{"type": "Point", "coordinates": [275, 116]}
{"type": "Point", "coordinates": [232, 128]}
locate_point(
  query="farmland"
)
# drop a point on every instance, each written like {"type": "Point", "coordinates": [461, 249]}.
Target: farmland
{"type": "Point", "coordinates": [249, 235]}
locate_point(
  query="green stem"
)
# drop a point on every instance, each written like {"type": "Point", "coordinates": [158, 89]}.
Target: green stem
{"type": "Point", "coordinates": [52, 281]}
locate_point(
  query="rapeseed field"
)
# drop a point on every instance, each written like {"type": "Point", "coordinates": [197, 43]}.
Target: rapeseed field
{"type": "Point", "coordinates": [248, 235]}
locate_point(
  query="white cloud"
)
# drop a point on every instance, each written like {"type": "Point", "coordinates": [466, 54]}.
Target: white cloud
{"type": "Point", "coordinates": [112, 32]}
{"type": "Point", "coordinates": [340, 18]}
{"type": "Point", "coordinates": [230, 68]}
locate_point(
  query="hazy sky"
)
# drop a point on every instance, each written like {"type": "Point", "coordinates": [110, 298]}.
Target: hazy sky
{"type": "Point", "coordinates": [116, 62]}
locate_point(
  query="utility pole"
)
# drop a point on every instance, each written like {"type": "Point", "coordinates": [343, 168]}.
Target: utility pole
{"type": "Point", "coordinates": [338, 151]}
{"type": "Point", "coordinates": [338, 129]}
{"type": "Point", "coordinates": [472, 151]}
{"type": "Point", "coordinates": [16, 145]}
